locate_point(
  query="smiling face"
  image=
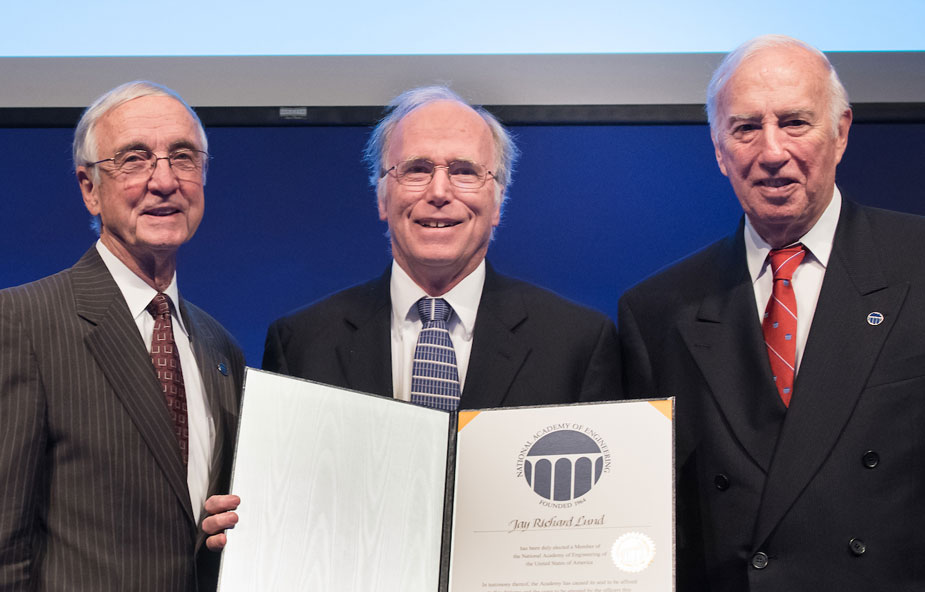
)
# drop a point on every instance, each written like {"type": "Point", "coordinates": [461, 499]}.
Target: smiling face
{"type": "Point", "coordinates": [440, 233]}
{"type": "Point", "coordinates": [776, 141]}
{"type": "Point", "coordinates": [144, 218]}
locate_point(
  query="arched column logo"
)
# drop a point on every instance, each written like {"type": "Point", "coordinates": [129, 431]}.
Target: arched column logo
{"type": "Point", "coordinates": [564, 465]}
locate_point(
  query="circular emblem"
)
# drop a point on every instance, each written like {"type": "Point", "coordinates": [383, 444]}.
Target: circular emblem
{"type": "Point", "coordinates": [875, 318]}
{"type": "Point", "coordinates": [633, 552]}
{"type": "Point", "coordinates": [563, 465]}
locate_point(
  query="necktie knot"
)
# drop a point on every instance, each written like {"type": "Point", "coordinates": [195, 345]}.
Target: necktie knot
{"type": "Point", "coordinates": [434, 309]}
{"type": "Point", "coordinates": [784, 262]}
{"type": "Point", "coordinates": [159, 305]}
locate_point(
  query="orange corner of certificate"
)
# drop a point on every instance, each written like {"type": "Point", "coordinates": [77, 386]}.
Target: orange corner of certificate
{"type": "Point", "coordinates": [664, 407]}
{"type": "Point", "coordinates": [464, 418]}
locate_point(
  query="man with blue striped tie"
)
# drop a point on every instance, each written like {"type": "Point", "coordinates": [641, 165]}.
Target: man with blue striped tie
{"type": "Point", "coordinates": [441, 327]}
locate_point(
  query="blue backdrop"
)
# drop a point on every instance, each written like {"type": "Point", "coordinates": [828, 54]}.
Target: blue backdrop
{"type": "Point", "coordinates": [290, 217]}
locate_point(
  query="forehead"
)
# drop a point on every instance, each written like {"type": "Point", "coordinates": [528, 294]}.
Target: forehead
{"type": "Point", "coordinates": [442, 130]}
{"type": "Point", "coordinates": [777, 79]}
{"type": "Point", "coordinates": [156, 122]}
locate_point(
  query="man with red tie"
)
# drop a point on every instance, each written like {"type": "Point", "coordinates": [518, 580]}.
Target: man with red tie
{"type": "Point", "coordinates": [118, 398]}
{"type": "Point", "coordinates": [795, 349]}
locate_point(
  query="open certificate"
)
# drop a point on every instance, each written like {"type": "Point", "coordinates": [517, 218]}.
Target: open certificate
{"type": "Point", "coordinates": [343, 491]}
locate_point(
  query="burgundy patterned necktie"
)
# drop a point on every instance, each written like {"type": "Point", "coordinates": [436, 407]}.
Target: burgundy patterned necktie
{"type": "Point", "coordinates": [780, 319]}
{"type": "Point", "coordinates": [166, 361]}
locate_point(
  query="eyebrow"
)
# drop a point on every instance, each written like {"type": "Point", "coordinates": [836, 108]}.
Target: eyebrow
{"type": "Point", "coordinates": [138, 145]}
{"type": "Point", "coordinates": [806, 113]}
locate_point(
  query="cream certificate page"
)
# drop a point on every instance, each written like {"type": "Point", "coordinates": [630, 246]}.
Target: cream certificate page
{"type": "Point", "coordinates": [565, 499]}
{"type": "Point", "coordinates": [340, 491]}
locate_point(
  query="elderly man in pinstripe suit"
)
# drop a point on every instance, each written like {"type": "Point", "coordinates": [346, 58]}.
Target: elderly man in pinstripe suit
{"type": "Point", "coordinates": [118, 398]}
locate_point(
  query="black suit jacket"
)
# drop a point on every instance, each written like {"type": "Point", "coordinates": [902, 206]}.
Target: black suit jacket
{"type": "Point", "coordinates": [830, 493]}
{"type": "Point", "coordinates": [530, 347]}
{"type": "Point", "coordinates": [93, 492]}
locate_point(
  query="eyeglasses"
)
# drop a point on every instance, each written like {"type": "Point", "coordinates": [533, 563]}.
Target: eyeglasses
{"type": "Point", "coordinates": [187, 164]}
{"type": "Point", "coordinates": [419, 172]}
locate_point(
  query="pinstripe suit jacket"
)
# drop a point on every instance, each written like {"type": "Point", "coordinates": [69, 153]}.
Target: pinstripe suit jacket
{"type": "Point", "coordinates": [93, 492]}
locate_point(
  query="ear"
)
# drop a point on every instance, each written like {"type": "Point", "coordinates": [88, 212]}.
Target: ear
{"type": "Point", "coordinates": [719, 157]}
{"type": "Point", "coordinates": [496, 215]}
{"type": "Point", "coordinates": [89, 190]}
{"type": "Point", "coordinates": [382, 199]}
{"type": "Point", "coordinates": [841, 140]}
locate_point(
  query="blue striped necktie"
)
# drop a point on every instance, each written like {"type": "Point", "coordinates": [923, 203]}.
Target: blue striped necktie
{"type": "Point", "coordinates": [434, 377]}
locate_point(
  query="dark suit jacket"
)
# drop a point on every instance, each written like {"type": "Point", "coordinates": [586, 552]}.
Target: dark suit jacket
{"type": "Point", "coordinates": [93, 492]}
{"type": "Point", "coordinates": [530, 347]}
{"type": "Point", "coordinates": [831, 490]}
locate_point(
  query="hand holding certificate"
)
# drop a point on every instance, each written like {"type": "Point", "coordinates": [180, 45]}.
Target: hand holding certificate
{"type": "Point", "coordinates": [343, 491]}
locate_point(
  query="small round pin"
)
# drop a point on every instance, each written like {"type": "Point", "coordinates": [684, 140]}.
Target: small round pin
{"type": "Point", "coordinates": [874, 318]}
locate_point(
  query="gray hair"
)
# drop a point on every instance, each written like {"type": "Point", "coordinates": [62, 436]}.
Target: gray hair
{"type": "Point", "coordinates": [408, 101]}
{"type": "Point", "coordinates": [838, 96]}
{"type": "Point", "coordinates": [85, 147]}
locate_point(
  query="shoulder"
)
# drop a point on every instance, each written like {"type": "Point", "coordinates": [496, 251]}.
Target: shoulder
{"type": "Point", "coordinates": [540, 303]}
{"type": "Point", "coordinates": [206, 327]}
{"type": "Point", "coordinates": [895, 227]}
{"type": "Point", "coordinates": [688, 277]}
{"type": "Point", "coordinates": [45, 296]}
{"type": "Point", "coordinates": [332, 308]}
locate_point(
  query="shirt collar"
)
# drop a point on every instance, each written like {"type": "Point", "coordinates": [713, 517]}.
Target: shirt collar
{"type": "Point", "coordinates": [464, 297]}
{"type": "Point", "coordinates": [818, 240]}
{"type": "Point", "coordinates": [136, 292]}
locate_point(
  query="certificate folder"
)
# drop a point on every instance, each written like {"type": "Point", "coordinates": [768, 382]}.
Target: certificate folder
{"type": "Point", "coordinates": [343, 491]}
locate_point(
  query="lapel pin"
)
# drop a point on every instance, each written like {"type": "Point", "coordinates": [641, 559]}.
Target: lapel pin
{"type": "Point", "coordinates": [224, 369]}
{"type": "Point", "coordinates": [874, 318]}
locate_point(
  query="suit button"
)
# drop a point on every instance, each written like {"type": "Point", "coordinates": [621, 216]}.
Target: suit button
{"type": "Point", "coordinates": [857, 547]}
{"type": "Point", "coordinates": [721, 482]}
{"type": "Point", "coordinates": [760, 560]}
{"type": "Point", "coordinates": [870, 459]}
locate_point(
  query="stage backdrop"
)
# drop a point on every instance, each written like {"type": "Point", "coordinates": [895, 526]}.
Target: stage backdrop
{"type": "Point", "coordinates": [290, 216]}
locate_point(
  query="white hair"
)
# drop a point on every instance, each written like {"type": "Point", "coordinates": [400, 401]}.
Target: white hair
{"type": "Point", "coordinates": [85, 150]}
{"type": "Point", "coordinates": [408, 101]}
{"type": "Point", "coordinates": [838, 96]}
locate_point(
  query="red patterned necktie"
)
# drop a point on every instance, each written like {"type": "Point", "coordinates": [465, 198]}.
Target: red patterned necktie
{"type": "Point", "coordinates": [780, 319]}
{"type": "Point", "coordinates": [166, 361]}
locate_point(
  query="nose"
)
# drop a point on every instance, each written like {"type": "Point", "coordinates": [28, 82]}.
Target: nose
{"type": "Point", "coordinates": [438, 192]}
{"type": "Point", "coordinates": [773, 153]}
{"type": "Point", "coordinates": [163, 179]}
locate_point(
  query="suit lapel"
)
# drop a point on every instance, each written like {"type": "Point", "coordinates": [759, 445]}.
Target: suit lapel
{"type": "Point", "coordinates": [497, 353]}
{"type": "Point", "coordinates": [840, 352]}
{"type": "Point", "coordinates": [726, 342]}
{"type": "Point", "coordinates": [219, 388]}
{"type": "Point", "coordinates": [366, 359]}
{"type": "Point", "coordinates": [123, 358]}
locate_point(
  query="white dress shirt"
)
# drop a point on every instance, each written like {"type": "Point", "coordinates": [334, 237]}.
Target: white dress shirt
{"type": "Point", "coordinates": [406, 323]}
{"type": "Point", "coordinates": [807, 279]}
{"type": "Point", "coordinates": [137, 296]}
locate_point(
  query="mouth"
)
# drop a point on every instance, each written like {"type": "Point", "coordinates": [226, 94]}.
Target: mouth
{"type": "Point", "coordinates": [437, 223]}
{"type": "Point", "coordinates": [775, 182]}
{"type": "Point", "coordinates": [162, 211]}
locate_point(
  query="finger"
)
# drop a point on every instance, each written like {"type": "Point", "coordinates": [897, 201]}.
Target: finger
{"type": "Point", "coordinates": [222, 503]}
{"type": "Point", "coordinates": [216, 542]}
{"type": "Point", "coordinates": [219, 522]}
